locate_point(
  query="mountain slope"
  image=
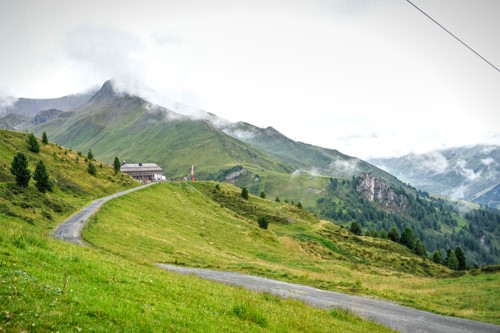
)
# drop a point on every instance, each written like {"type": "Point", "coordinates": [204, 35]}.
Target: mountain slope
{"type": "Point", "coordinates": [467, 173]}
{"type": "Point", "coordinates": [31, 106]}
{"type": "Point", "coordinates": [113, 124]}
{"type": "Point", "coordinates": [208, 224]}
{"type": "Point", "coordinates": [47, 285]}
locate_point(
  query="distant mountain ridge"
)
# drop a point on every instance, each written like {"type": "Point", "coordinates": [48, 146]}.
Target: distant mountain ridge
{"type": "Point", "coordinates": [32, 106]}
{"type": "Point", "coordinates": [469, 173]}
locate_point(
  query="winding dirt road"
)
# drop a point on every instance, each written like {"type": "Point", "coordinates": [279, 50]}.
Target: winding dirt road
{"type": "Point", "coordinates": [398, 317]}
{"type": "Point", "coordinates": [71, 229]}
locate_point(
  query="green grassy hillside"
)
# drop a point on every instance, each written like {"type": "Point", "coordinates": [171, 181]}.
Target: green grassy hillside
{"type": "Point", "coordinates": [135, 131]}
{"type": "Point", "coordinates": [196, 224]}
{"type": "Point", "coordinates": [47, 285]}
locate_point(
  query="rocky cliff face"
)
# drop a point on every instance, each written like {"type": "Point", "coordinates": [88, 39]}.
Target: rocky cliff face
{"type": "Point", "coordinates": [374, 190]}
{"type": "Point", "coordinates": [47, 115]}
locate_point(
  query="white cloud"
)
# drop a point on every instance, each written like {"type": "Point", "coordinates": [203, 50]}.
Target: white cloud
{"type": "Point", "coordinates": [460, 167]}
{"type": "Point", "coordinates": [434, 162]}
{"type": "Point", "coordinates": [488, 161]}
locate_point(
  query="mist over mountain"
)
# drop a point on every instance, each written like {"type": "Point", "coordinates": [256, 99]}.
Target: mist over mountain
{"type": "Point", "coordinates": [469, 173]}
{"type": "Point", "coordinates": [32, 106]}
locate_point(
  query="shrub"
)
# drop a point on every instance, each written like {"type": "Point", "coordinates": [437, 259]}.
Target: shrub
{"type": "Point", "coordinates": [262, 195]}
{"type": "Point", "coordinates": [263, 222]}
{"type": "Point", "coordinates": [299, 205]}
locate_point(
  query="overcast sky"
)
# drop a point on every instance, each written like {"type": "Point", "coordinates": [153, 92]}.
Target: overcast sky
{"type": "Point", "coordinates": [369, 78]}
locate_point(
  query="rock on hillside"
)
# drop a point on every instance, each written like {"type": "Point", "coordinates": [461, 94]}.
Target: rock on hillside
{"type": "Point", "coordinates": [374, 190]}
{"type": "Point", "coordinates": [47, 115]}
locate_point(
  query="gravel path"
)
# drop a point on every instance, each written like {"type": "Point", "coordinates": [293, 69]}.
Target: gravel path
{"type": "Point", "coordinates": [71, 229]}
{"type": "Point", "coordinates": [397, 317]}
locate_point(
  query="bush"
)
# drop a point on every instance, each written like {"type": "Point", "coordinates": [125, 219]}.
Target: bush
{"type": "Point", "coordinates": [262, 195]}
{"type": "Point", "coordinates": [263, 222]}
{"type": "Point", "coordinates": [299, 205]}
{"type": "Point", "coordinates": [244, 193]}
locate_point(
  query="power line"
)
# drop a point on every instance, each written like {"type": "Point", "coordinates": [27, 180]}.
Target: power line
{"type": "Point", "coordinates": [470, 48]}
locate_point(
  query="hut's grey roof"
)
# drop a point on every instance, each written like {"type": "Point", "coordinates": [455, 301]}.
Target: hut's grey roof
{"type": "Point", "coordinates": [152, 167]}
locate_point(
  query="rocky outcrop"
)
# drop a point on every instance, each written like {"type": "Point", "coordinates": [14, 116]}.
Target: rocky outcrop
{"type": "Point", "coordinates": [374, 190]}
{"type": "Point", "coordinates": [47, 115]}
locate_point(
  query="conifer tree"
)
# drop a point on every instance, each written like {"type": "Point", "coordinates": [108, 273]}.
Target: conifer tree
{"type": "Point", "coordinates": [437, 257]}
{"type": "Point", "coordinates": [90, 155]}
{"type": "Point", "coordinates": [41, 178]}
{"type": "Point", "coordinates": [452, 261]}
{"type": "Point", "coordinates": [394, 235]}
{"type": "Point", "coordinates": [383, 234]}
{"type": "Point", "coordinates": [462, 264]}
{"type": "Point", "coordinates": [244, 193]}
{"type": "Point", "coordinates": [92, 169]}
{"type": "Point", "coordinates": [420, 248]}
{"type": "Point", "coordinates": [277, 199]}
{"type": "Point", "coordinates": [116, 165]}
{"type": "Point", "coordinates": [33, 143]}
{"type": "Point", "coordinates": [355, 228]}
{"type": "Point", "coordinates": [19, 168]}
{"type": "Point", "coordinates": [262, 195]}
{"type": "Point", "coordinates": [45, 139]}
{"type": "Point", "coordinates": [407, 238]}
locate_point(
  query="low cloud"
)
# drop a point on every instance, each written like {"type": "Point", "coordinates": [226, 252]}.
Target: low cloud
{"type": "Point", "coordinates": [5, 103]}
{"type": "Point", "coordinates": [435, 162]}
{"type": "Point", "coordinates": [488, 161]}
{"type": "Point", "coordinates": [106, 51]}
{"type": "Point", "coordinates": [345, 166]}
{"type": "Point", "coordinates": [469, 174]}
{"type": "Point", "coordinates": [488, 150]}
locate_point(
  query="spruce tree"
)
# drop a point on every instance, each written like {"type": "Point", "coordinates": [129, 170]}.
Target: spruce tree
{"type": "Point", "coordinates": [116, 165]}
{"type": "Point", "coordinates": [452, 261]}
{"type": "Point", "coordinates": [355, 228]}
{"type": "Point", "coordinates": [407, 238]}
{"type": "Point", "coordinates": [462, 264]}
{"type": "Point", "coordinates": [437, 257]}
{"type": "Point", "coordinates": [33, 143]}
{"type": "Point", "coordinates": [420, 248]}
{"type": "Point", "coordinates": [383, 234]}
{"type": "Point", "coordinates": [262, 221]}
{"type": "Point", "coordinates": [92, 169]}
{"type": "Point", "coordinates": [277, 199]}
{"type": "Point", "coordinates": [262, 195]}
{"type": "Point", "coordinates": [244, 193]}
{"type": "Point", "coordinates": [90, 155]}
{"type": "Point", "coordinates": [19, 168]}
{"type": "Point", "coordinates": [45, 139]}
{"type": "Point", "coordinates": [394, 235]}
{"type": "Point", "coordinates": [41, 178]}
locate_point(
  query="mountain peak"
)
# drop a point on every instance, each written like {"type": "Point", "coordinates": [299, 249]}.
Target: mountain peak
{"type": "Point", "coordinates": [107, 91]}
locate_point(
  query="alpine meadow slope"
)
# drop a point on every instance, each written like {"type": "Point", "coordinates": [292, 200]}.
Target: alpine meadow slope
{"type": "Point", "coordinates": [49, 285]}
